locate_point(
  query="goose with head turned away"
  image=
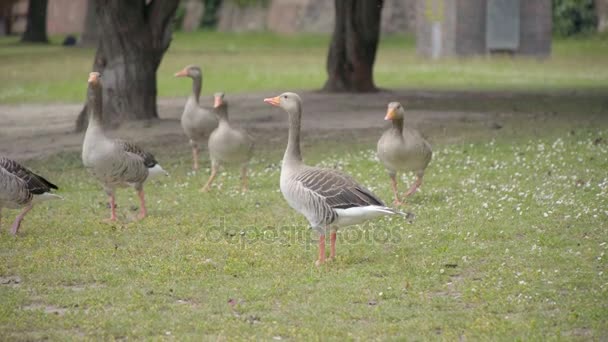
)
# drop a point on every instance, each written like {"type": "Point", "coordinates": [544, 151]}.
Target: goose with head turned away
{"type": "Point", "coordinates": [197, 122]}
{"type": "Point", "coordinates": [228, 145]}
{"type": "Point", "coordinates": [327, 198]}
{"type": "Point", "coordinates": [403, 149]}
{"type": "Point", "coordinates": [21, 188]}
{"type": "Point", "coordinates": [115, 163]}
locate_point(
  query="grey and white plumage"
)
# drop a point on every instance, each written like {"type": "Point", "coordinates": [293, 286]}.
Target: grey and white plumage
{"type": "Point", "coordinates": [197, 122]}
{"type": "Point", "coordinates": [227, 144]}
{"type": "Point", "coordinates": [114, 162]}
{"type": "Point", "coordinates": [21, 188]}
{"type": "Point", "coordinates": [327, 198]}
{"type": "Point", "coordinates": [403, 149]}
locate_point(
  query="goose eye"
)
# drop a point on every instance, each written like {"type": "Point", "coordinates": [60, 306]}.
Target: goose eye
{"type": "Point", "coordinates": [284, 96]}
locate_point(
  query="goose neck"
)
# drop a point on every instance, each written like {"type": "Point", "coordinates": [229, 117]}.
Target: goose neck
{"type": "Point", "coordinates": [94, 105]}
{"type": "Point", "coordinates": [197, 84]}
{"type": "Point", "coordinates": [293, 152]}
{"type": "Point", "coordinates": [397, 125]}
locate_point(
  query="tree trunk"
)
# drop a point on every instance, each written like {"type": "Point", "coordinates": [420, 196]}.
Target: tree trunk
{"type": "Point", "coordinates": [352, 52]}
{"type": "Point", "coordinates": [35, 30]}
{"type": "Point", "coordinates": [90, 35]}
{"type": "Point", "coordinates": [134, 38]}
{"type": "Point", "coordinates": [601, 8]}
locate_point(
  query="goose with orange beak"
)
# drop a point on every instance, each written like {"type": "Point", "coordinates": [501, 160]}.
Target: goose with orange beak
{"type": "Point", "coordinates": [228, 145]}
{"type": "Point", "coordinates": [328, 198]}
{"type": "Point", "coordinates": [197, 122]}
{"type": "Point", "coordinates": [403, 149]}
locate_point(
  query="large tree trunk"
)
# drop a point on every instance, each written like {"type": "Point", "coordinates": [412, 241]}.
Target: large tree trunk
{"type": "Point", "coordinates": [35, 30]}
{"type": "Point", "coordinates": [352, 52]}
{"type": "Point", "coordinates": [90, 35]}
{"type": "Point", "coordinates": [135, 35]}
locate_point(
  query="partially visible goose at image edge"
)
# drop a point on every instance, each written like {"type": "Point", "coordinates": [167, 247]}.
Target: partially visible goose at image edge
{"type": "Point", "coordinates": [21, 188]}
{"type": "Point", "coordinates": [197, 122]}
{"type": "Point", "coordinates": [228, 145]}
{"type": "Point", "coordinates": [403, 149]}
{"type": "Point", "coordinates": [327, 198]}
{"type": "Point", "coordinates": [115, 163]}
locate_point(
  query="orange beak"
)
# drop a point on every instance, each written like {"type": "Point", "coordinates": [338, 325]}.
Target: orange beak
{"type": "Point", "coordinates": [390, 114]}
{"type": "Point", "coordinates": [217, 102]}
{"type": "Point", "coordinates": [182, 73]}
{"type": "Point", "coordinates": [275, 101]}
{"type": "Point", "coordinates": [93, 77]}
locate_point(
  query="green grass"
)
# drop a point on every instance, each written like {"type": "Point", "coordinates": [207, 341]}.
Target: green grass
{"type": "Point", "coordinates": [508, 243]}
{"type": "Point", "coordinates": [263, 61]}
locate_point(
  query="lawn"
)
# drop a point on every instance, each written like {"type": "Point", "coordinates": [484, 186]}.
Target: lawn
{"type": "Point", "coordinates": [508, 243]}
{"type": "Point", "coordinates": [263, 61]}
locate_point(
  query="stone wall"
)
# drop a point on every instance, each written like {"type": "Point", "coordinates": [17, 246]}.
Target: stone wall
{"type": "Point", "coordinates": [306, 16]}
{"type": "Point", "coordinates": [63, 16]}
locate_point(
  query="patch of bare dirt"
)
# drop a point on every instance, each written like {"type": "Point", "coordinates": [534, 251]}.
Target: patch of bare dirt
{"type": "Point", "coordinates": [12, 281]}
{"type": "Point", "coordinates": [34, 130]}
{"type": "Point", "coordinates": [48, 309]}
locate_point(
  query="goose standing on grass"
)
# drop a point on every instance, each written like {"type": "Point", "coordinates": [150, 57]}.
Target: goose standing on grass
{"type": "Point", "coordinates": [21, 188]}
{"type": "Point", "coordinates": [116, 163]}
{"type": "Point", "coordinates": [403, 149]}
{"type": "Point", "coordinates": [228, 145]}
{"type": "Point", "coordinates": [327, 198]}
{"type": "Point", "coordinates": [197, 122]}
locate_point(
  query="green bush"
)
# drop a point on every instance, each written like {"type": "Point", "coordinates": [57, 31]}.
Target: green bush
{"type": "Point", "coordinates": [573, 16]}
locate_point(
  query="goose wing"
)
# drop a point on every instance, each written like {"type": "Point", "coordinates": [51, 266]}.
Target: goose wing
{"type": "Point", "coordinates": [129, 147]}
{"type": "Point", "coordinates": [35, 184]}
{"type": "Point", "coordinates": [338, 190]}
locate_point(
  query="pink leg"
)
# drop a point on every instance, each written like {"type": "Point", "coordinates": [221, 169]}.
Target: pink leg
{"type": "Point", "coordinates": [321, 260]}
{"type": "Point", "coordinates": [142, 203]}
{"type": "Point", "coordinates": [332, 246]}
{"type": "Point", "coordinates": [397, 201]}
{"type": "Point", "coordinates": [17, 224]}
{"type": "Point", "coordinates": [207, 186]}
{"type": "Point", "coordinates": [112, 208]}
{"type": "Point", "coordinates": [415, 186]}
{"type": "Point", "coordinates": [244, 179]}
{"type": "Point", "coordinates": [195, 157]}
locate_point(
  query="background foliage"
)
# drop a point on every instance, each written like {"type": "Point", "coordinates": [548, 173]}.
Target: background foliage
{"type": "Point", "coordinates": [574, 16]}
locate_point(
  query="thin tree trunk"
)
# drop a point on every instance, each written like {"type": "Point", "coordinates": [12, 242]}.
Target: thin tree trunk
{"type": "Point", "coordinates": [352, 52]}
{"type": "Point", "coordinates": [35, 30]}
{"type": "Point", "coordinates": [90, 35]}
{"type": "Point", "coordinates": [135, 36]}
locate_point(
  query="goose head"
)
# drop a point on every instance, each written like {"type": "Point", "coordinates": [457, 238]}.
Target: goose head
{"type": "Point", "coordinates": [94, 78]}
{"type": "Point", "coordinates": [220, 106]}
{"type": "Point", "coordinates": [290, 102]}
{"type": "Point", "coordinates": [191, 71]}
{"type": "Point", "coordinates": [395, 111]}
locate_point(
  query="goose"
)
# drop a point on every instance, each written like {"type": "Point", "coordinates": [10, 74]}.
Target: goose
{"type": "Point", "coordinates": [21, 188]}
{"type": "Point", "coordinates": [327, 198]}
{"type": "Point", "coordinates": [403, 149]}
{"type": "Point", "coordinates": [114, 162]}
{"type": "Point", "coordinates": [228, 145]}
{"type": "Point", "coordinates": [197, 122]}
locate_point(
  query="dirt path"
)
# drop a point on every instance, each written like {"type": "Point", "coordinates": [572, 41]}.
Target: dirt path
{"type": "Point", "coordinates": [33, 130]}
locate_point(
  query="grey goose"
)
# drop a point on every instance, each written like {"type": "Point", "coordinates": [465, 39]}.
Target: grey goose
{"type": "Point", "coordinates": [228, 144]}
{"type": "Point", "coordinates": [115, 163]}
{"type": "Point", "coordinates": [21, 188]}
{"type": "Point", "coordinates": [403, 149]}
{"type": "Point", "coordinates": [197, 122]}
{"type": "Point", "coordinates": [327, 198]}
